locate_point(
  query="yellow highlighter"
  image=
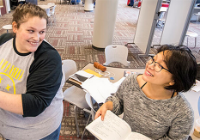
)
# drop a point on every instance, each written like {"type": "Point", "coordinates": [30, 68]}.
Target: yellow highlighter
{"type": "Point", "coordinates": [92, 72]}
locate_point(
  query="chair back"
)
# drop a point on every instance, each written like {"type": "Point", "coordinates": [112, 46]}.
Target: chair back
{"type": "Point", "coordinates": [48, 12]}
{"type": "Point", "coordinates": [69, 67]}
{"type": "Point", "coordinates": [90, 104]}
{"type": "Point", "coordinates": [89, 100]}
{"type": "Point", "coordinates": [116, 53]}
{"type": "Point", "coordinates": [53, 10]}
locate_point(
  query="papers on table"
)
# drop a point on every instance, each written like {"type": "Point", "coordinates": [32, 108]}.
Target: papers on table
{"type": "Point", "coordinates": [79, 77]}
{"type": "Point", "coordinates": [100, 88]}
{"type": "Point", "coordinates": [84, 74]}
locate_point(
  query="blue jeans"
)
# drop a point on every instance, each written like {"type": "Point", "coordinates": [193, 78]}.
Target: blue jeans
{"type": "Point", "coordinates": [54, 135]}
{"type": "Point", "coordinates": [131, 3]}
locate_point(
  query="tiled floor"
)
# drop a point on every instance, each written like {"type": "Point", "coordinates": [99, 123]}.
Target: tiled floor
{"type": "Point", "coordinates": [72, 33]}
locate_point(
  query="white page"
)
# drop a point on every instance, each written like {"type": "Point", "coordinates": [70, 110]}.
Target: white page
{"type": "Point", "coordinates": [85, 74]}
{"type": "Point", "coordinates": [112, 128]}
{"type": "Point", "coordinates": [136, 136]}
{"type": "Point", "coordinates": [90, 85]}
{"type": "Point", "coordinates": [105, 87]}
{"type": "Point", "coordinates": [99, 88]}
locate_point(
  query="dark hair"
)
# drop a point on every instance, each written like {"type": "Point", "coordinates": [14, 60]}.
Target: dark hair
{"type": "Point", "coordinates": [25, 11]}
{"type": "Point", "coordinates": [182, 65]}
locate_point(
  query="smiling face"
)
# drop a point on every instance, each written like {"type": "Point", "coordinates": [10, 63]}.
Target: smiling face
{"type": "Point", "coordinates": [162, 78]}
{"type": "Point", "coordinates": [30, 34]}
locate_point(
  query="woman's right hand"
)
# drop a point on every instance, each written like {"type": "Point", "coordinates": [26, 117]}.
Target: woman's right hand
{"type": "Point", "coordinates": [102, 110]}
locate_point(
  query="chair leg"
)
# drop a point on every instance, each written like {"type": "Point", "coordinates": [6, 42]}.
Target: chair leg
{"type": "Point", "coordinates": [76, 123]}
{"type": "Point", "coordinates": [195, 42]}
{"type": "Point", "coordinates": [92, 110]}
{"type": "Point", "coordinates": [47, 20]}
{"type": "Point", "coordinates": [86, 125]}
{"type": "Point", "coordinates": [54, 18]}
{"type": "Point", "coordinates": [51, 20]}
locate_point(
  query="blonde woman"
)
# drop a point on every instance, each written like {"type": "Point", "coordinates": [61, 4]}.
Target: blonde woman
{"type": "Point", "coordinates": [31, 105]}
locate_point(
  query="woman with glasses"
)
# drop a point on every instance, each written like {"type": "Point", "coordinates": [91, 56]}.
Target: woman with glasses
{"type": "Point", "coordinates": [152, 102]}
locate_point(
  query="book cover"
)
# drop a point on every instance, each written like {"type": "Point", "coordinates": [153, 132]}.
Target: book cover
{"type": "Point", "coordinates": [79, 77]}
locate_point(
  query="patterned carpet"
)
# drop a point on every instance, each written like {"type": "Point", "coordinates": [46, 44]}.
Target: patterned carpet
{"type": "Point", "coordinates": [71, 35]}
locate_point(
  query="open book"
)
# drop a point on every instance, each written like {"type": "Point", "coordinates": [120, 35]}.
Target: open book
{"type": "Point", "coordinates": [113, 128]}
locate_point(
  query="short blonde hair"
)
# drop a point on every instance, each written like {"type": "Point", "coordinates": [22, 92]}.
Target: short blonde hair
{"type": "Point", "coordinates": [25, 11]}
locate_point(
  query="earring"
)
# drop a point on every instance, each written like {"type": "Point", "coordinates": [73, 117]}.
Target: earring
{"type": "Point", "coordinates": [171, 83]}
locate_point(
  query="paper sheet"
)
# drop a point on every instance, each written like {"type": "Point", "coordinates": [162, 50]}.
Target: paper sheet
{"type": "Point", "coordinates": [100, 88]}
{"type": "Point", "coordinates": [83, 73]}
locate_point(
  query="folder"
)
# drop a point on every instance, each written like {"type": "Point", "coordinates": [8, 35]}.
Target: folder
{"type": "Point", "coordinates": [92, 72]}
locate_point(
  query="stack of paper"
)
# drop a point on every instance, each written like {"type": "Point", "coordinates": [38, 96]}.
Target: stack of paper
{"type": "Point", "coordinates": [79, 77]}
{"type": "Point", "coordinates": [100, 88]}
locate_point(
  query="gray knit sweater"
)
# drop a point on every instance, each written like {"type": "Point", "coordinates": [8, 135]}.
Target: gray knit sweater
{"type": "Point", "coordinates": [157, 119]}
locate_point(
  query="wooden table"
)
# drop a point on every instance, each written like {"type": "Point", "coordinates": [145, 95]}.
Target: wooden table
{"type": "Point", "coordinates": [7, 27]}
{"type": "Point", "coordinates": [116, 73]}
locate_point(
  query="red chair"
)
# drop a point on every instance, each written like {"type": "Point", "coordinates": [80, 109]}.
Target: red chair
{"type": "Point", "coordinates": [163, 4]}
{"type": "Point", "coordinates": [139, 3]}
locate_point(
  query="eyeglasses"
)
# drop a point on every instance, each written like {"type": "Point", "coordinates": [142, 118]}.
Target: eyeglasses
{"type": "Point", "coordinates": [157, 66]}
